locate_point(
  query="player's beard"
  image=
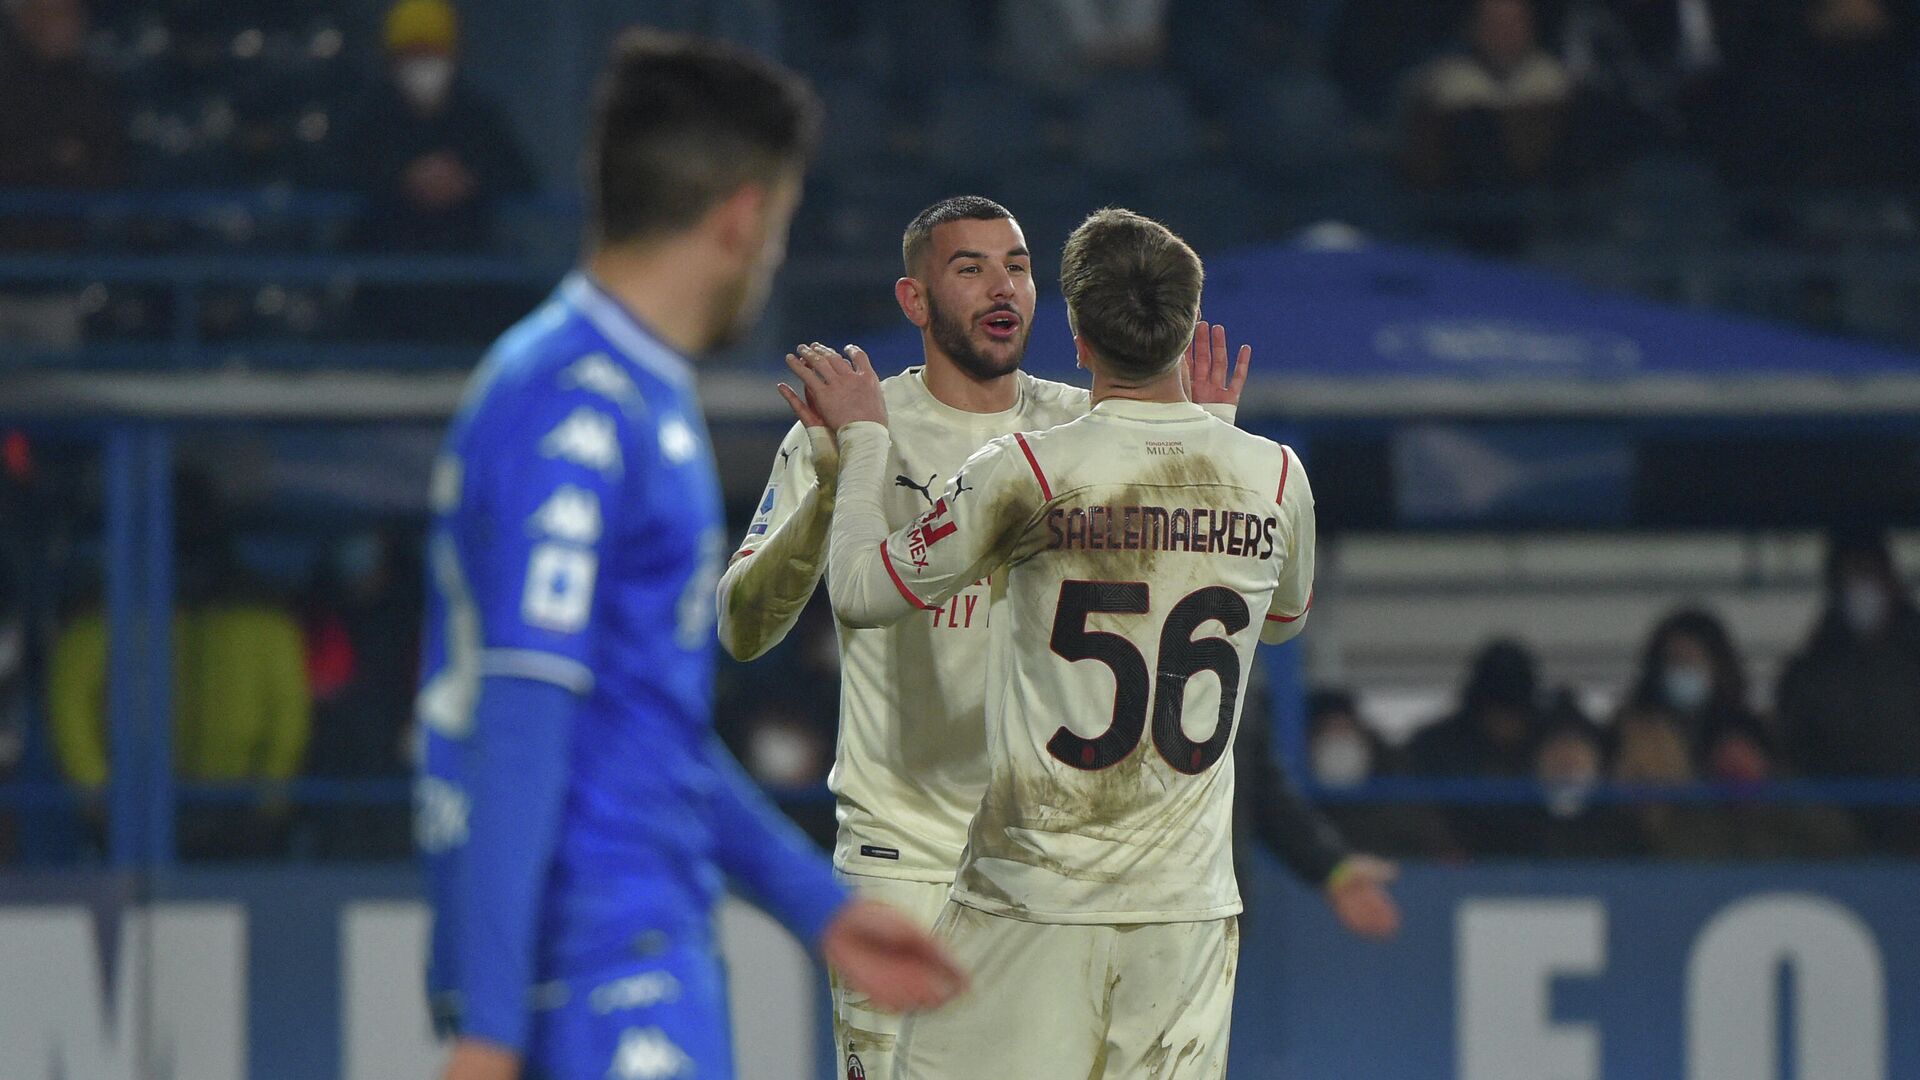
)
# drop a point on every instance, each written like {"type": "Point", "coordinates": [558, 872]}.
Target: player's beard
{"type": "Point", "coordinates": [736, 307]}
{"type": "Point", "coordinates": [955, 338]}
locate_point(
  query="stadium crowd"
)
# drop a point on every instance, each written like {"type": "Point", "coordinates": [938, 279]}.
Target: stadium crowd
{"type": "Point", "coordinates": [1518, 127]}
{"type": "Point", "coordinates": [1502, 126]}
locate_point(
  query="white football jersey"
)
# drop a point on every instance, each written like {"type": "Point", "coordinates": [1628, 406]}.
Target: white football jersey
{"type": "Point", "coordinates": [1147, 549]}
{"type": "Point", "coordinates": [910, 761]}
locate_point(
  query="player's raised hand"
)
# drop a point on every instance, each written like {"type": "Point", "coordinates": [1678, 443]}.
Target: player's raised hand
{"type": "Point", "coordinates": [886, 956]}
{"type": "Point", "coordinates": [1212, 375]}
{"type": "Point", "coordinates": [1357, 892]}
{"type": "Point", "coordinates": [839, 389]}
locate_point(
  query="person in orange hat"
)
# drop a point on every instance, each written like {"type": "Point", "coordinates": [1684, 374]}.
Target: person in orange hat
{"type": "Point", "coordinates": [429, 151]}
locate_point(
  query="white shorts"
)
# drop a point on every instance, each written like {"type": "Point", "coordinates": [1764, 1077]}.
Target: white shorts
{"type": "Point", "coordinates": [1144, 1001]}
{"type": "Point", "coordinates": [864, 1037]}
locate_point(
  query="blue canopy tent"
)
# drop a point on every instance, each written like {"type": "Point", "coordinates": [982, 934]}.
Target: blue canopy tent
{"type": "Point", "coordinates": [1380, 331]}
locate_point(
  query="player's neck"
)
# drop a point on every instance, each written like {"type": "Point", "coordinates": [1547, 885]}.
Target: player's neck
{"type": "Point", "coordinates": [1163, 388]}
{"type": "Point", "coordinates": [952, 386]}
{"type": "Point", "coordinates": [656, 288]}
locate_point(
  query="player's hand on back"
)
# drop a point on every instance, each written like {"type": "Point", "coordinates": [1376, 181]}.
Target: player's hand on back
{"type": "Point", "coordinates": [1212, 376]}
{"type": "Point", "coordinates": [838, 390]}
{"type": "Point", "coordinates": [1357, 892]}
{"type": "Point", "coordinates": [477, 1059]}
{"type": "Point", "coordinates": [886, 956]}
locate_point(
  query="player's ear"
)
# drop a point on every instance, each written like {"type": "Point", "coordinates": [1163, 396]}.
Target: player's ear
{"type": "Point", "coordinates": [912, 297]}
{"type": "Point", "coordinates": [739, 222]}
{"type": "Point", "coordinates": [1081, 353]}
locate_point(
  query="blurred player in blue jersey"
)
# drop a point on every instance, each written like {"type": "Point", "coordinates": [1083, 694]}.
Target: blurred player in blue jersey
{"type": "Point", "coordinates": [576, 813]}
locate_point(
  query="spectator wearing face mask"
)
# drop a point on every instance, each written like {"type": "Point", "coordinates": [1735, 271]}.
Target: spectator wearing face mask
{"type": "Point", "coordinates": [1691, 674]}
{"type": "Point", "coordinates": [428, 151]}
{"type": "Point", "coordinates": [1570, 763]}
{"type": "Point", "coordinates": [1344, 752]}
{"type": "Point", "coordinates": [1268, 807]}
{"type": "Point", "coordinates": [1849, 701]}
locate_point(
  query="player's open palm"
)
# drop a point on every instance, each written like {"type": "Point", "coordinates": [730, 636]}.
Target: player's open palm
{"type": "Point", "coordinates": [838, 390]}
{"type": "Point", "coordinates": [1213, 378]}
{"type": "Point", "coordinates": [886, 956]}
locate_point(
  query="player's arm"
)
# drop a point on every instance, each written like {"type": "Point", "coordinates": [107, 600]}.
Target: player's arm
{"type": "Point", "coordinates": [549, 493]}
{"type": "Point", "coordinates": [761, 849]}
{"type": "Point", "coordinates": [876, 579]}
{"type": "Point", "coordinates": [774, 572]}
{"type": "Point", "coordinates": [1304, 839]}
{"type": "Point", "coordinates": [1287, 614]}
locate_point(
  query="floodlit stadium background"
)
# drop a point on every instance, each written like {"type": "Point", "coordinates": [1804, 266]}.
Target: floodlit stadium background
{"type": "Point", "coordinates": [1632, 327]}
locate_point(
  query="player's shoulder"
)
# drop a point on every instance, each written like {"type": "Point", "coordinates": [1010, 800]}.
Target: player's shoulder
{"type": "Point", "coordinates": [1051, 402]}
{"type": "Point", "coordinates": [903, 389]}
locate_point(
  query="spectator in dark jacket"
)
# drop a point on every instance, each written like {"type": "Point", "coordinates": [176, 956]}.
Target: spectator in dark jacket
{"type": "Point", "coordinates": [60, 122]}
{"type": "Point", "coordinates": [1494, 734]}
{"type": "Point", "coordinates": [1849, 701]}
{"type": "Point", "coordinates": [1570, 763]}
{"type": "Point", "coordinates": [429, 152]}
{"type": "Point", "coordinates": [1691, 674]}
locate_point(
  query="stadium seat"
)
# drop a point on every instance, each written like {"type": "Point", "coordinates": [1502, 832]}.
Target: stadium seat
{"type": "Point", "coordinates": [1132, 124]}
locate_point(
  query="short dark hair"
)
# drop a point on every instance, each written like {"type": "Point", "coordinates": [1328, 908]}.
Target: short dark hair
{"type": "Point", "coordinates": [919, 234]}
{"type": "Point", "coordinates": [1132, 289]}
{"type": "Point", "coordinates": [680, 123]}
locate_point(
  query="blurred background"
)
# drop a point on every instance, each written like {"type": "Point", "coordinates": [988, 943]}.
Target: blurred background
{"type": "Point", "coordinates": [1596, 321]}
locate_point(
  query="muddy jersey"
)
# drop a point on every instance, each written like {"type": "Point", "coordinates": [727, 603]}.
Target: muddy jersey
{"type": "Point", "coordinates": [910, 762]}
{"type": "Point", "coordinates": [1140, 553]}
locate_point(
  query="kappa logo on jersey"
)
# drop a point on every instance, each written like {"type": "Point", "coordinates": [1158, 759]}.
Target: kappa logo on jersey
{"type": "Point", "coordinates": [677, 440]}
{"type": "Point", "coordinates": [440, 812]}
{"type": "Point", "coordinates": [570, 513]}
{"type": "Point", "coordinates": [640, 991]}
{"type": "Point", "coordinates": [855, 1070]}
{"type": "Point", "coordinates": [598, 373]}
{"type": "Point", "coordinates": [933, 527]}
{"type": "Point", "coordinates": [925, 490]}
{"type": "Point", "coordinates": [586, 437]}
{"type": "Point", "coordinates": [647, 1054]}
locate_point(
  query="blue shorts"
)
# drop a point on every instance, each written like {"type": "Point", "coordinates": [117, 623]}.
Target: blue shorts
{"type": "Point", "coordinates": [662, 1017]}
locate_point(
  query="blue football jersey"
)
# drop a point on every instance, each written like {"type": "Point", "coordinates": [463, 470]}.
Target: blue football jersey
{"type": "Point", "coordinates": [577, 537]}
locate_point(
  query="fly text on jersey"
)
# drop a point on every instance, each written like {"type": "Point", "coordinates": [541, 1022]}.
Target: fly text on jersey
{"type": "Point", "coordinates": [1200, 530]}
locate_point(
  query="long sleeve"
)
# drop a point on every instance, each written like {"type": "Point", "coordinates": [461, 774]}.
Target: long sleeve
{"type": "Point", "coordinates": [778, 565]}
{"type": "Point", "coordinates": [1304, 839]}
{"type": "Point", "coordinates": [76, 701]}
{"type": "Point", "coordinates": [518, 785]}
{"type": "Point", "coordinates": [762, 850]}
{"type": "Point", "coordinates": [876, 579]}
{"type": "Point", "coordinates": [289, 702]}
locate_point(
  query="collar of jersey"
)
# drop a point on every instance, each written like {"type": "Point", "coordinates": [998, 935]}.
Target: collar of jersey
{"type": "Point", "coordinates": [1166, 412]}
{"type": "Point", "coordinates": [623, 331]}
{"type": "Point", "coordinates": [918, 374]}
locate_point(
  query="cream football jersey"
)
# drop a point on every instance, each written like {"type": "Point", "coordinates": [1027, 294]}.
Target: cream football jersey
{"type": "Point", "coordinates": [910, 762]}
{"type": "Point", "coordinates": [1140, 553]}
